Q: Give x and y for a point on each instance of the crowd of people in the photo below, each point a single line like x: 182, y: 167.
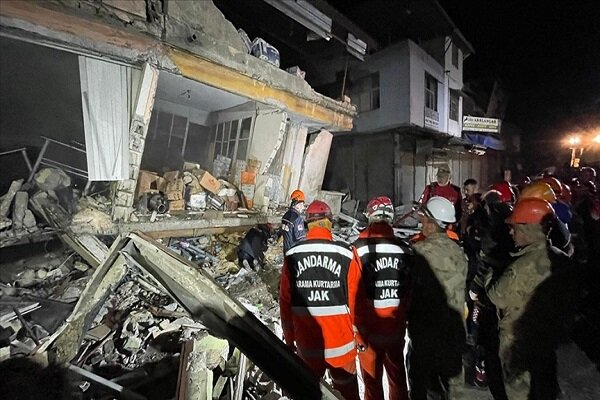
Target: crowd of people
x: 482, y: 296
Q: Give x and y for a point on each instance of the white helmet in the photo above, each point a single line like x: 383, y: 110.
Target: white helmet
x: 441, y: 210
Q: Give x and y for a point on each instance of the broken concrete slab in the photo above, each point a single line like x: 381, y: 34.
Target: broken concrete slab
x: 203, y: 298
x: 89, y: 247
x: 21, y: 200
x: 198, y: 358
x: 315, y: 162
x: 51, y: 179
x: 7, y: 199
x: 29, y: 220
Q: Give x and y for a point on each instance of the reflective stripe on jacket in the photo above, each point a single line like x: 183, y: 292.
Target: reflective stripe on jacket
x: 320, y: 283
x: 386, y: 262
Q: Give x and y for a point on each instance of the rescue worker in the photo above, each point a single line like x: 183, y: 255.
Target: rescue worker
x: 386, y: 262
x: 483, y: 367
x: 251, y: 251
x: 513, y: 289
x: 443, y: 188
x: 559, y: 234
x: 469, y: 204
x: 435, y: 324
x: 507, y: 194
x: 292, y: 223
x: 561, y: 208
x: 320, y: 288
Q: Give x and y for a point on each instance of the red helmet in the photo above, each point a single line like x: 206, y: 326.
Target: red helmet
x: 318, y: 210
x: 565, y: 194
x: 380, y: 207
x: 507, y: 194
x: 297, y: 196
x: 530, y: 210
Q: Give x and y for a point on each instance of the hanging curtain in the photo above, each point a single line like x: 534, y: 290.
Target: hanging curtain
x: 106, y: 95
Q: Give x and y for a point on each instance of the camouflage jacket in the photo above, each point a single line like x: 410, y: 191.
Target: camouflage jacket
x: 448, y: 262
x: 514, y: 288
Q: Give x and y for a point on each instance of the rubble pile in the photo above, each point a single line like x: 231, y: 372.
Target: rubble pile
x: 139, y: 326
x: 139, y: 333
x: 217, y: 255
x: 136, y: 335
x: 21, y: 221
x: 36, y: 295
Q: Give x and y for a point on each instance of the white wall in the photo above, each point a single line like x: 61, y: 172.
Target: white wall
x: 421, y: 62
x: 292, y: 159
x: 393, y: 67
x: 456, y: 73
x: 266, y: 129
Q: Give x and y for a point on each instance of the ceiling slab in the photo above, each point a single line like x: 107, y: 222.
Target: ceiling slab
x: 186, y: 92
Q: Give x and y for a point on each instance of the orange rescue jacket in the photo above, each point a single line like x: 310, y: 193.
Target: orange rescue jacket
x: 320, y: 287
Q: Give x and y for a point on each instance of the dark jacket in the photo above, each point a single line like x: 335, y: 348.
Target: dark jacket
x: 386, y: 262
x: 496, y: 244
x: 254, y: 244
x: 292, y: 228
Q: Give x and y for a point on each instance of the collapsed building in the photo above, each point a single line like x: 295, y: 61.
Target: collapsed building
x: 124, y: 87
x: 159, y: 117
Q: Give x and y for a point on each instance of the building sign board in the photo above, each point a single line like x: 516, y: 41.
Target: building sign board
x: 432, y: 119
x: 481, y: 124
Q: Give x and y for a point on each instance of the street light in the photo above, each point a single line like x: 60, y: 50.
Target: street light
x: 577, y: 144
x: 574, y: 140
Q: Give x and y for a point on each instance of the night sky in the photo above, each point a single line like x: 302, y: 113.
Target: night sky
x: 545, y: 53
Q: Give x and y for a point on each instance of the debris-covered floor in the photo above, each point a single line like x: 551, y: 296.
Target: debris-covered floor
x: 118, y: 324
x: 140, y: 335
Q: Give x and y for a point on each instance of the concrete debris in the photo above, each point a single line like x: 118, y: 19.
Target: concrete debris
x: 37, y: 292
x: 7, y: 199
x: 51, y: 179
x: 136, y: 325
x: 22, y: 221
x: 98, y: 220
x: 21, y: 200
x: 80, y: 266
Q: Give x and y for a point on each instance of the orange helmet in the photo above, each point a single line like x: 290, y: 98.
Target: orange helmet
x: 540, y: 190
x: 318, y: 210
x: 554, y: 184
x: 530, y: 210
x: 297, y: 196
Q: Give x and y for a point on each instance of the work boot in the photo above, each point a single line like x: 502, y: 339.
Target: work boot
x: 480, y: 375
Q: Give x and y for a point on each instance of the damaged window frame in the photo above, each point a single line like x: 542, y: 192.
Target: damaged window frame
x: 238, y: 142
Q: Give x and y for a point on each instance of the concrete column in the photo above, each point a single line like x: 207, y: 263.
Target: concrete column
x: 123, y: 192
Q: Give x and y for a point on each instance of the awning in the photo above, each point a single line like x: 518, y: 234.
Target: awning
x: 485, y: 139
